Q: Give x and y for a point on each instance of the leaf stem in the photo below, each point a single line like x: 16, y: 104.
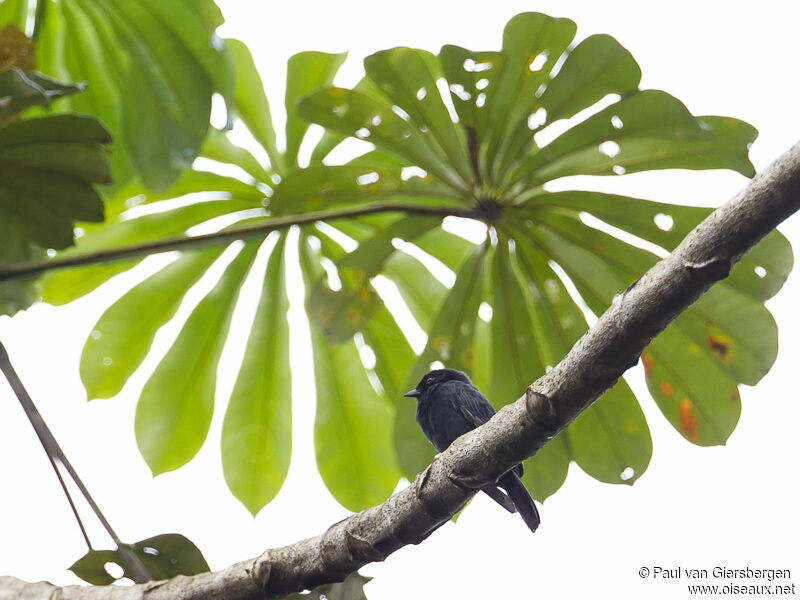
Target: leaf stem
x: 54, y: 452
x: 18, y: 270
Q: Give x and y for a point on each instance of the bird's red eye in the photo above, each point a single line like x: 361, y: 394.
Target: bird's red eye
x: 429, y: 380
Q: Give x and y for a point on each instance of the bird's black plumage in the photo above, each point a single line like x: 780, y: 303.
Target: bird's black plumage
x: 448, y: 406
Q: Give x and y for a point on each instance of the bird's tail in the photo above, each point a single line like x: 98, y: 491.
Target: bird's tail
x: 513, y: 485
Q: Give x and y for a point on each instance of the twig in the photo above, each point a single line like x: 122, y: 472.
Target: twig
x: 18, y: 270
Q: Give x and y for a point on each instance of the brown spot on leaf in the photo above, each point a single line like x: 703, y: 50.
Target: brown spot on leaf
x: 667, y: 388
x: 363, y: 293
x: 352, y: 316
x: 689, y: 420
x: 720, y: 344
x: 647, y: 361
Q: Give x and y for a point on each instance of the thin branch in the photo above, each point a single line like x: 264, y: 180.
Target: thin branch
x: 518, y: 430
x: 69, y: 499
x: 15, y: 271
x: 132, y: 562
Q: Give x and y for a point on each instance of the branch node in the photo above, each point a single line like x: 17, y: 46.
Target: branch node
x: 362, y: 549
x: 542, y: 411
x: 261, y: 569
x: 710, y: 270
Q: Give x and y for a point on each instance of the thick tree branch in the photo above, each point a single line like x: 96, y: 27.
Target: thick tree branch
x: 261, y: 229
x: 518, y: 431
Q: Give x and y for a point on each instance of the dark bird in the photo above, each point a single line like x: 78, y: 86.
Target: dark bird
x: 448, y: 406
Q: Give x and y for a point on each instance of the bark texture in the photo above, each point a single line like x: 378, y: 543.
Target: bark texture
x: 518, y: 430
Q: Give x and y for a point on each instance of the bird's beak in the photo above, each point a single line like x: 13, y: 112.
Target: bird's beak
x: 412, y: 394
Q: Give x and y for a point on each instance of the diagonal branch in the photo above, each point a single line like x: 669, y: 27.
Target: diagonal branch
x: 518, y: 431
x: 227, y: 235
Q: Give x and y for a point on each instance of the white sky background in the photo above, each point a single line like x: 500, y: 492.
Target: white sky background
x: 733, y: 506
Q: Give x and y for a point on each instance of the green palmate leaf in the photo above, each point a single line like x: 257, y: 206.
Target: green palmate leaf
x: 164, y: 556
x: 177, y: 402
x: 122, y: 337
x: 492, y: 154
x: 256, y: 434
x: 352, y: 431
x: 163, y: 54
x: 502, y: 101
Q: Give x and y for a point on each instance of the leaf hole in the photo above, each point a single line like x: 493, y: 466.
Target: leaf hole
x: 400, y: 112
x: 619, y: 170
x: 422, y: 93
x: 627, y: 474
x: 150, y: 550
x: 334, y: 283
x: 365, y: 352
x: 663, y: 222
x: 377, y: 120
x: 616, y: 122
x: 114, y: 570
x: 480, y: 101
x: 760, y: 271
x: 482, y: 84
x: 470, y: 66
x: 609, y: 148
x: 459, y: 92
x: 362, y: 133
x: 413, y: 171
x: 368, y: 178
x: 107, y: 361
x: 537, y: 119
x: 51, y: 252
x: 539, y: 61
x: 540, y: 90
x: 485, y: 312
x: 437, y: 364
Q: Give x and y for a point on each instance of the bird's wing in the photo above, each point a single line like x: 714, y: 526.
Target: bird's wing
x: 472, y: 404
x: 477, y: 410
